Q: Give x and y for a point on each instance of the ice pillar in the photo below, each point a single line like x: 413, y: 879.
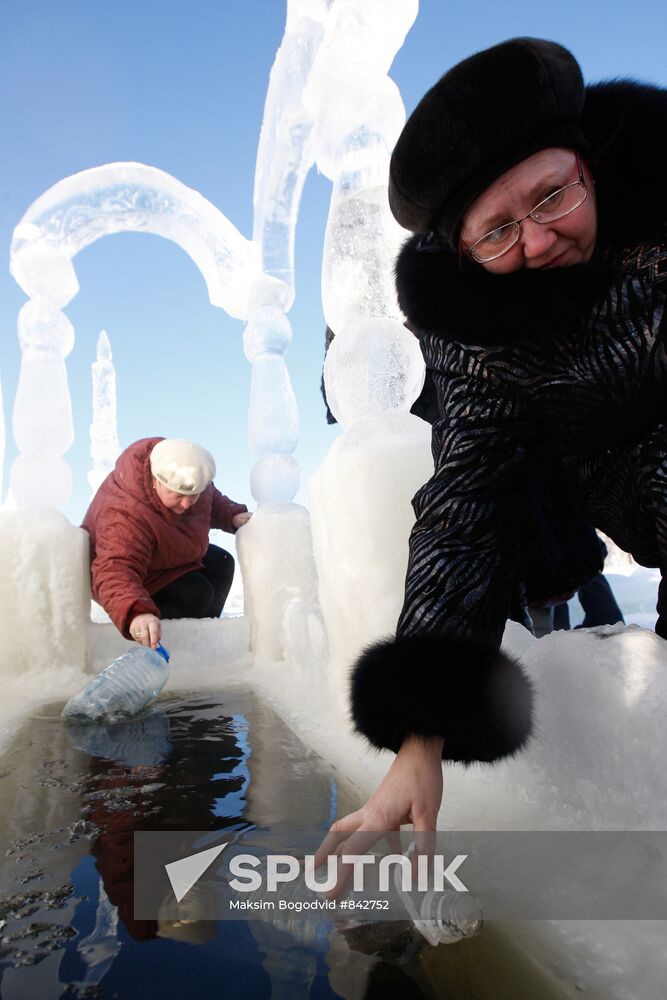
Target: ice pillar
x: 42, y: 421
x: 360, y: 497
x: 281, y: 591
x: 104, y: 444
x: 284, y: 158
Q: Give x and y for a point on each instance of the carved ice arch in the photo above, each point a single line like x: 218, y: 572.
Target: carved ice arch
x: 75, y: 212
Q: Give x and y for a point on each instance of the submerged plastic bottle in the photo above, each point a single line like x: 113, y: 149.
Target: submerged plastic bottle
x: 130, y: 683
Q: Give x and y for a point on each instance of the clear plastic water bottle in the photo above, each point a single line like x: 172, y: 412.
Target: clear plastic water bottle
x: 127, y: 685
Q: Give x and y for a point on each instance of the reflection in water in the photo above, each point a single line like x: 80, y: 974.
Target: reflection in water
x: 72, y: 797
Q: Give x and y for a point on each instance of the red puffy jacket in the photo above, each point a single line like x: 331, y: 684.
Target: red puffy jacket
x: 137, y: 545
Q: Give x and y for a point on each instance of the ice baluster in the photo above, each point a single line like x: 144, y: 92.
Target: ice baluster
x: 374, y: 363
x: 273, y: 415
x: 42, y: 418
x: 104, y: 444
x: 127, y: 685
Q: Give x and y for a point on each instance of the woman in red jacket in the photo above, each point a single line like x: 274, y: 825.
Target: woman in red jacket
x: 149, y: 523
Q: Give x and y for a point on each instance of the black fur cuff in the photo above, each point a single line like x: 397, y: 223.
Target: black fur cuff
x: 477, y: 698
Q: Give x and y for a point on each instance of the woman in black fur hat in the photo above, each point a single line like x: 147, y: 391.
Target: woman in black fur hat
x: 535, y: 282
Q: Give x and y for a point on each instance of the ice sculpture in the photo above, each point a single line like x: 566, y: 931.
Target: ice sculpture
x: 374, y: 369
x: 42, y: 418
x: 330, y: 100
x: 104, y: 444
x: 283, y: 160
x: 360, y: 115
x: 284, y: 154
x: 69, y: 216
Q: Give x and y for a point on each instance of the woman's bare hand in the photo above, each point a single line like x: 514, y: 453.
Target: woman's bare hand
x: 410, y: 792
x: 240, y: 519
x: 146, y: 630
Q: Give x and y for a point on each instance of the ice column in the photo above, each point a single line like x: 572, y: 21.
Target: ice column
x: 374, y: 369
x: 42, y: 420
x: 275, y: 548
x: 283, y: 160
x: 104, y: 444
x: 373, y: 364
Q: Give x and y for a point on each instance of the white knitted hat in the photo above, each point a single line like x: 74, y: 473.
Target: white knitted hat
x: 182, y: 466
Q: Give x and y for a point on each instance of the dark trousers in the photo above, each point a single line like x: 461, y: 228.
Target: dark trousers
x: 201, y: 593
x: 598, y: 602
x: 597, y: 599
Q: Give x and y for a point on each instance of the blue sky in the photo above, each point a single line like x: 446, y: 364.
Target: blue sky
x: 181, y: 86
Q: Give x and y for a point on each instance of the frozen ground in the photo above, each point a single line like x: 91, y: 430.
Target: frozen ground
x: 597, y: 762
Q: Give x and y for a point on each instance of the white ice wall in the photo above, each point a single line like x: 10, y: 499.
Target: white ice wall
x: 44, y: 592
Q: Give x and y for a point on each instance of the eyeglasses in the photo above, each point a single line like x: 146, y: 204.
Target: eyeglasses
x: 556, y: 206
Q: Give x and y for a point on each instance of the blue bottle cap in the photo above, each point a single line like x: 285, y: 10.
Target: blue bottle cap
x: 164, y: 653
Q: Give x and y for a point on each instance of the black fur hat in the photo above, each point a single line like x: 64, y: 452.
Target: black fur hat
x: 482, y: 117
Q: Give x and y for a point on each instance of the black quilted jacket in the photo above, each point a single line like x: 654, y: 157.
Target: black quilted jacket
x: 566, y: 366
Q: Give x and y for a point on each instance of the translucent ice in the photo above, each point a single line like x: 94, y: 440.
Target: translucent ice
x: 268, y: 331
x: 284, y: 157
x: 104, y: 444
x: 275, y: 478
x: 362, y: 240
x: 369, y: 32
x: 121, y: 197
x: 375, y: 365
x: 68, y: 217
x: 359, y: 116
x: 348, y: 89
x: 274, y: 419
x: 351, y: 99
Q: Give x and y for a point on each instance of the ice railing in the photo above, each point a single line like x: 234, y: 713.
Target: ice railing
x: 330, y: 102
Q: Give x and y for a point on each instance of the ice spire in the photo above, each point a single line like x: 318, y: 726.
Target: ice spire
x: 104, y: 444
